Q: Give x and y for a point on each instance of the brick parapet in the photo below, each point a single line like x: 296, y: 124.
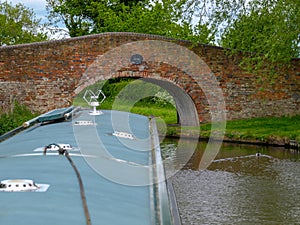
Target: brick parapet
x: 45, y: 75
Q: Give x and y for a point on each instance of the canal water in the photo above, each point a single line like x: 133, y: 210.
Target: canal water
x: 238, y: 187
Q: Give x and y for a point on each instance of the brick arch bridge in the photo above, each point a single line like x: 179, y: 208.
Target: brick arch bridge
x: 201, y: 78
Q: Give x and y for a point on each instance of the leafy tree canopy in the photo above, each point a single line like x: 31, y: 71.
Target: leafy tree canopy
x: 262, y: 27
x: 161, y: 17
x: 18, y: 25
x: 271, y: 29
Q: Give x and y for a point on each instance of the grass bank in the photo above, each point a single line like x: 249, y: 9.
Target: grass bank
x: 270, y: 130
x: 127, y: 94
x: 259, y: 130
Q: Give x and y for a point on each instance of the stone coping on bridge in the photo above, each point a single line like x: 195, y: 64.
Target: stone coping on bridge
x: 114, y: 34
x: 105, y: 34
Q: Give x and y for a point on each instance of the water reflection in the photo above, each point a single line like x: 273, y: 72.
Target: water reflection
x: 238, y: 187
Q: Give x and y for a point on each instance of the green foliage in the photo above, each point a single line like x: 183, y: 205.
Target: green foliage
x: 18, y: 25
x: 122, y: 94
x: 269, y: 30
x: 166, y: 18
x: 15, y: 118
x: 128, y: 90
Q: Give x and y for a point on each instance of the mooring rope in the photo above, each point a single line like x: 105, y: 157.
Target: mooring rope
x: 82, y: 193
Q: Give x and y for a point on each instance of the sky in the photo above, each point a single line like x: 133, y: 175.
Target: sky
x: 39, y: 8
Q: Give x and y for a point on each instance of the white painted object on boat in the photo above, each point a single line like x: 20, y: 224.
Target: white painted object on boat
x: 92, y: 99
x: 54, y: 147
x: 84, y: 123
x: 123, y: 135
x: 22, y: 185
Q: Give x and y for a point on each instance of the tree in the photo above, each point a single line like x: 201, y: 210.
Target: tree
x: 166, y: 17
x: 83, y: 17
x: 269, y: 29
x: 18, y: 25
x: 271, y: 32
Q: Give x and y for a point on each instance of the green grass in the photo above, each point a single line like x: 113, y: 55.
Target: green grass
x: 270, y: 129
x: 168, y: 113
x: 129, y: 90
x: 273, y: 130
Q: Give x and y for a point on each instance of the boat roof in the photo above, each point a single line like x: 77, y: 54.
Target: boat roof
x: 55, y: 114
x: 112, y: 198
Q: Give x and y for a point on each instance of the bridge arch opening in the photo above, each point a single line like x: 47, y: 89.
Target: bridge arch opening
x: 198, y: 83
x: 186, y: 110
x: 186, y: 113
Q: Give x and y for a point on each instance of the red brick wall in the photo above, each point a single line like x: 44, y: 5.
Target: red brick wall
x: 47, y: 75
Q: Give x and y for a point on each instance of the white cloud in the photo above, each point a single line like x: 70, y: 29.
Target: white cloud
x: 55, y: 33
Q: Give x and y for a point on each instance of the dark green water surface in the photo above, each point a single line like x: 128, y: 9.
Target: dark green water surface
x: 238, y: 187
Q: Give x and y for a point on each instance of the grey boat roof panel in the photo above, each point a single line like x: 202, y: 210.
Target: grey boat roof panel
x: 109, y: 202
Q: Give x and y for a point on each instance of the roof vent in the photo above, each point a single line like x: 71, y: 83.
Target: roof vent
x: 55, y: 147
x: 22, y: 185
x: 123, y: 135
x: 92, y: 99
x: 84, y: 123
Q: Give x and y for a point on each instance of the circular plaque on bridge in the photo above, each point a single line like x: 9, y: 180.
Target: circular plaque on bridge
x: 136, y: 59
